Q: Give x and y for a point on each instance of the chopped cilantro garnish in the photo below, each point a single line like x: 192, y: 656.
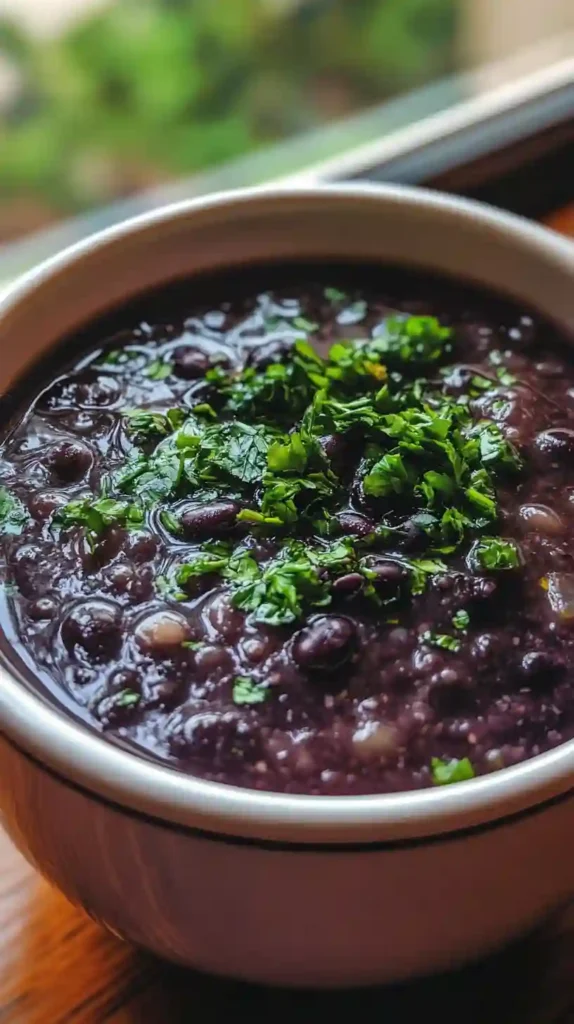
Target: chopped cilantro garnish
x: 127, y: 699
x: 141, y: 423
x: 461, y: 619
x: 443, y: 640
x: 412, y: 340
x: 494, y: 554
x: 445, y: 772
x: 420, y: 568
x: 98, y: 513
x: 303, y: 324
x: 112, y: 358
x: 505, y: 377
x: 262, y: 437
x: 13, y: 514
x: 246, y: 691
x: 158, y: 369
x: 334, y: 295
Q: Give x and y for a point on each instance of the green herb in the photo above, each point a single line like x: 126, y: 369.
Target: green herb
x: 127, y: 699
x: 505, y: 377
x: 494, y: 554
x: 333, y: 414
x: 495, y: 450
x: 420, y: 568
x: 285, y: 587
x: 446, y: 772
x: 353, y: 366
x: 479, y: 383
x: 389, y: 475
x: 143, y: 424
x: 236, y: 449
x: 170, y: 521
x: 98, y: 513
x: 112, y: 358
x: 334, y: 295
x: 213, y: 558
x: 246, y: 691
x: 461, y: 619
x: 413, y: 340
x: 193, y: 645
x: 158, y: 370
x: 280, y: 391
x: 418, y: 454
x: 303, y: 324
x: 13, y: 514
x: 442, y: 640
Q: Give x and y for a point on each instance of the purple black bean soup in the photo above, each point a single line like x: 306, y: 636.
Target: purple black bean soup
x: 301, y: 529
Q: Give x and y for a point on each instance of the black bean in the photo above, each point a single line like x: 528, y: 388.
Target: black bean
x: 412, y: 536
x: 124, y: 679
x: 163, y: 632
x: 32, y: 572
x: 95, y: 627
x: 218, y: 740
x: 271, y: 352
x: 542, y: 669
x: 44, y: 503
x: 43, y: 608
x: 69, y: 460
x: 210, y: 520
x: 141, y: 546
x: 98, y: 392
x: 326, y: 643
x: 386, y: 575
x: 340, y: 451
x: 190, y: 362
x: 354, y: 523
x: 556, y: 445
x: 349, y: 584
x: 488, y: 648
x: 165, y: 693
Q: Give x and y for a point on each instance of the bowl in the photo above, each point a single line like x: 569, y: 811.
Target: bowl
x: 287, y: 890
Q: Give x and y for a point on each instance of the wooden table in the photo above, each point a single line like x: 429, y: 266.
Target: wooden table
x: 57, y: 967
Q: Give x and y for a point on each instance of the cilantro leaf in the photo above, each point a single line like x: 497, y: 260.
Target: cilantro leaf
x: 246, y: 691
x: 446, y: 772
x: 158, y: 369
x: 494, y: 554
x: 334, y: 295
x: 13, y: 514
x: 390, y: 475
x: 127, y: 699
x: 303, y: 324
x: 461, y: 619
x: 412, y: 340
x: 97, y: 514
x: 420, y: 568
x: 442, y: 640
x: 143, y: 424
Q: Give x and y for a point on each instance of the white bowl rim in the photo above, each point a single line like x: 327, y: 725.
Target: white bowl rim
x: 142, y: 786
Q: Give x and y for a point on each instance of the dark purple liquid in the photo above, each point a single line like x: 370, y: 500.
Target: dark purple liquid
x: 95, y: 625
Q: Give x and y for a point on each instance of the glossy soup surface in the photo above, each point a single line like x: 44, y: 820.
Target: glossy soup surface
x: 307, y: 530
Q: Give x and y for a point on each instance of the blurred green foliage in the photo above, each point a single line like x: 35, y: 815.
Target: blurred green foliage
x: 146, y: 90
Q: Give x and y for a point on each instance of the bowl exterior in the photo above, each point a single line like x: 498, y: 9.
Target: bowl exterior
x: 329, y: 917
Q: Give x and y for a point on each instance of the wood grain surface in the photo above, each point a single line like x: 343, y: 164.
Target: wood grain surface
x: 57, y: 967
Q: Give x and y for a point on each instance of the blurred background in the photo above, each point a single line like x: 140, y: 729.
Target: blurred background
x: 102, y: 101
